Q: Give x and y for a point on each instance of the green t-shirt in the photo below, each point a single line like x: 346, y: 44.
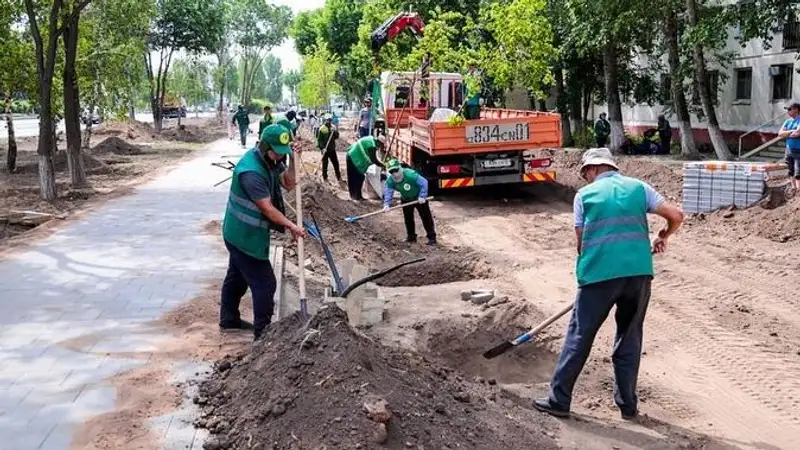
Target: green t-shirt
x: 408, y: 188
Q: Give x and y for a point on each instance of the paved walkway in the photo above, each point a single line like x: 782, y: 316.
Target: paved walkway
x: 125, y: 264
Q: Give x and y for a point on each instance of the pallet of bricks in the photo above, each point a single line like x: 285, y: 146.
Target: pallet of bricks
x: 712, y: 185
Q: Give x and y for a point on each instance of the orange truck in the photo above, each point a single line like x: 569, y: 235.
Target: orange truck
x: 503, y: 146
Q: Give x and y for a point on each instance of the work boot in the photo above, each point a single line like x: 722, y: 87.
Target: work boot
x: 431, y: 241
x: 240, y: 325
x: 627, y: 415
x: 411, y: 239
x: 543, y: 405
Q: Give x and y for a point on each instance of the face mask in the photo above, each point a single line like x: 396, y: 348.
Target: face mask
x: 397, y: 176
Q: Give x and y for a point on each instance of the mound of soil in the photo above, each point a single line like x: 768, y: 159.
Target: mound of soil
x: 781, y: 224
x: 117, y: 146
x: 195, y: 134
x: 133, y: 130
x: 324, y: 386
x: 439, y: 269
x: 665, y: 179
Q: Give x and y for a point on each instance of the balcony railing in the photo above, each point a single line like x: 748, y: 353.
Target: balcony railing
x: 791, y: 36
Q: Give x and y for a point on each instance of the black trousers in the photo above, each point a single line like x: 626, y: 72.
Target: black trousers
x: 601, y: 141
x: 245, y: 271
x: 355, y: 180
x: 333, y: 158
x: 424, y: 211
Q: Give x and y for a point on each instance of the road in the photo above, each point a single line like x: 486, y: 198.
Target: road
x: 30, y: 126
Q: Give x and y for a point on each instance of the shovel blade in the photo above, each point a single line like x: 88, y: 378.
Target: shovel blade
x: 498, y: 350
x: 350, y: 219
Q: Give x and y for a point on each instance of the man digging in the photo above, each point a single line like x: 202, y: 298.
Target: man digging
x: 412, y: 187
x: 615, y: 267
x: 255, y: 206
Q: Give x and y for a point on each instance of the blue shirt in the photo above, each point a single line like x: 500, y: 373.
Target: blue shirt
x: 653, y: 199
x: 793, y: 144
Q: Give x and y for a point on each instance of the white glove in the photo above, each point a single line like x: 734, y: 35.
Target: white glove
x: 422, y: 200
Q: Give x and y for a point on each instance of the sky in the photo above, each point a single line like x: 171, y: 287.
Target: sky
x: 286, y: 52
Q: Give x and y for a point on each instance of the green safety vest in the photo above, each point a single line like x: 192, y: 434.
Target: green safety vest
x: 244, y: 225
x: 616, y: 241
x: 408, y: 188
x: 242, y: 118
x: 358, y: 153
x: 264, y: 123
x: 327, y: 137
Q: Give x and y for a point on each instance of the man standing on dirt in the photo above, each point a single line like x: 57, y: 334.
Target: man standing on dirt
x: 361, y: 155
x: 615, y: 267
x: 791, y: 132
x: 242, y: 118
x: 255, y: 206
x: 602, y: 130
x: 412, y: 187
x: 364, y: 119
x: 327, y: 135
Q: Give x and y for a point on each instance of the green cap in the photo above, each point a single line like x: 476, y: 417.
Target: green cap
x: 393, y: 164
x: 278, y: 138
x: 288, y: 125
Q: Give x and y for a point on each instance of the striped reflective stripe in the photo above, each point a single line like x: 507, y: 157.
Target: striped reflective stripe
x: 537, y: 176
x: 244, y: 202
x: 612, y: 221
x: 457, y: 183
x: 616, y: 237
x: 252, y: 221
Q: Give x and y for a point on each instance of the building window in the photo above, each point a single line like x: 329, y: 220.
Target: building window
x: 791, y: 34
x: 744, y: 83
x: 781, y: 75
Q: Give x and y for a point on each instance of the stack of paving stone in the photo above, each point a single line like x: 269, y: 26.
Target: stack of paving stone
x: 712, y: 185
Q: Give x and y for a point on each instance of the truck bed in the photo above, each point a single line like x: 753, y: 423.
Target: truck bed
x: 497, y: 130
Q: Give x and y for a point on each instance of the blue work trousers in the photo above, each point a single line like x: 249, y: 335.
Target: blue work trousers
x: 631, y: 296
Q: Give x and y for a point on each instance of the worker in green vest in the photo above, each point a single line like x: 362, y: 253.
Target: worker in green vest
x: 327, y: 135
x: 361, y: 155
x: 412, y: 187
x: 266, y: 120
x: 614, y: 268
x: 242, y: 118
x: 255, y: 206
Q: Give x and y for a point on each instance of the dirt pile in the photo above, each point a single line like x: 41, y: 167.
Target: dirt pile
x: 440, y: 269
x: 665, y: 179
x: 117, y: 146
x: 324, y: 386
x: 133, y: 130
x: 209, y: 131
x: 781, y: 224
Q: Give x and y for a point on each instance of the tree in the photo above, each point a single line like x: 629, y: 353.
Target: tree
x: 274, y: 79
x: 225, y: 76
x: 45, y: 39
x: 305, y: 31
x: 697, y: 35
x: 195, y: 26
x: 671, y: 34
x: 259, y: 28
x: 16, y: 72
x: 319, y: 77
x: 291, y: 79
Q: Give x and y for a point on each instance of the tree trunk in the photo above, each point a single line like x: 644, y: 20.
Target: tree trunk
x: 561, y: 105
x: 703, y: 89
x: 72, y: 114
x: 688, y: 147
x: 612, y: 95
x: 11, y: 156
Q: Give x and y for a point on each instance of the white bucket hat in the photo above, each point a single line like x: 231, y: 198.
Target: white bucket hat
x: 597, y: 157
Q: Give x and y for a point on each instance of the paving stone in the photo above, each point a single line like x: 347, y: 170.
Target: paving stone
x: 104, y: 276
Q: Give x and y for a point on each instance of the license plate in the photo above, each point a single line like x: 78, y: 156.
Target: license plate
x: 498, y: 133
x: 496, y: 163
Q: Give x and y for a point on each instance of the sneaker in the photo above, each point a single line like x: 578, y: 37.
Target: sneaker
x: 543, y: 405
x: 240, y: 325
x: 432, y: 242
x: 630, y: 416
x: 411, y: 239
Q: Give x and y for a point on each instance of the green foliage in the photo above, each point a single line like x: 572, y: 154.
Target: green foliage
x: 291, y: 79
x: 525, y: 48
x: 196, y: 26
x: 189, y: 80
x: 319, y: 77
x: 17, y: 70
x: 584, y: 138
x: 273, y: 79
x: 256, y: 106
x: 304, y: 31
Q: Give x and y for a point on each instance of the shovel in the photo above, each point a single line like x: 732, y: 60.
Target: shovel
x: 525, y: 337
x: 381, y: 211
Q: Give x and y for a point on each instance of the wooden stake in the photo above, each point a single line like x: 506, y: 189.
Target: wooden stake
x: 300, y: 247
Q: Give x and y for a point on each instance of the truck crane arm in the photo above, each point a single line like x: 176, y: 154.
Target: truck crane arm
x: 396, y: 25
